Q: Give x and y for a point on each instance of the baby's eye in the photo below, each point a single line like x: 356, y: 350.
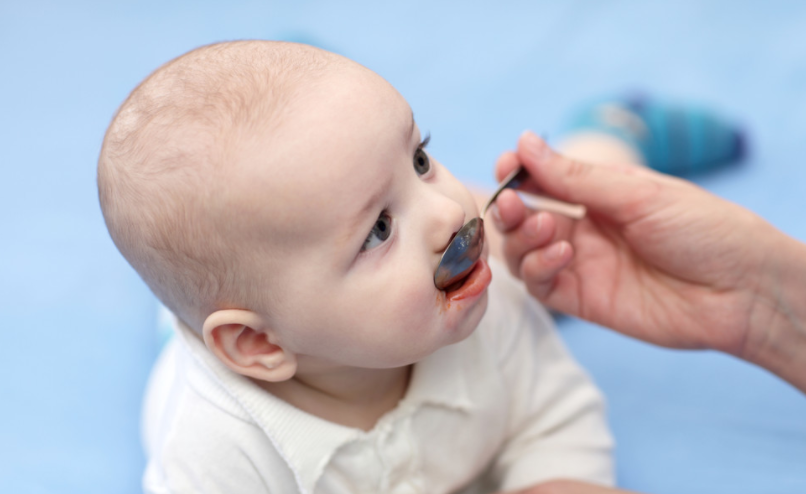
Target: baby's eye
x: 422, y: 164
x: 380, y: 232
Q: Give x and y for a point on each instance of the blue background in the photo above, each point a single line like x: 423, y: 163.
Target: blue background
x: 78, y: 324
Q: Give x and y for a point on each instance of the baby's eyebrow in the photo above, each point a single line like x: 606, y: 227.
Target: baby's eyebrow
x: 411, y: 129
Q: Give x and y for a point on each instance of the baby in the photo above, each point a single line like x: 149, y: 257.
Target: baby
x: 278, y: 199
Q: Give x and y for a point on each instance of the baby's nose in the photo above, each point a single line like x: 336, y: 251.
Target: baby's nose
x: 449, y: 221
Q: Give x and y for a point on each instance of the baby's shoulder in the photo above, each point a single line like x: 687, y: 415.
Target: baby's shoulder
x: 182, y: 399
x: 221, y: 455
x: 202, y: 433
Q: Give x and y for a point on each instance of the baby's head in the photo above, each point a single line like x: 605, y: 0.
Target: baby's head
x: 277, y: 198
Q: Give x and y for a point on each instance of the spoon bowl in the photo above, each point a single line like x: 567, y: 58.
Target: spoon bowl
x: 460, y: 256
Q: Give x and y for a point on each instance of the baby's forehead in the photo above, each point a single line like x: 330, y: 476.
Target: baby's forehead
x: 309, y: 197
x: 329, y: 134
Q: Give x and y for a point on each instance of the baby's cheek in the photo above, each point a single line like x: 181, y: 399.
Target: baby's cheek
x: 413, y: 306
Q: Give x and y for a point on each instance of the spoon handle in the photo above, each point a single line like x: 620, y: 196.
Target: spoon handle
x: 511, y: 181
x: 543, y: 203
x: 534, y: 201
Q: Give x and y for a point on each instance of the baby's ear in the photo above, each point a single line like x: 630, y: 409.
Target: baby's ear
x: 241, y: 340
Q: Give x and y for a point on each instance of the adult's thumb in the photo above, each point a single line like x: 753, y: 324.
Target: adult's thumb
x: 621, y: 194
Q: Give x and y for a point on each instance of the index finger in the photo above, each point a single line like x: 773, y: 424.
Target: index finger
x: 507, y: 163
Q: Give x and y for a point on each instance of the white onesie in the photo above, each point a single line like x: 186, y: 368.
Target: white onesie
x: 504, y: 409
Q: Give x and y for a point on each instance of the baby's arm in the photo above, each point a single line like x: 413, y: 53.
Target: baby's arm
x: 557, y: 426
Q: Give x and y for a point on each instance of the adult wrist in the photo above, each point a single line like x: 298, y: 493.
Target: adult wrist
x: 777, y: 331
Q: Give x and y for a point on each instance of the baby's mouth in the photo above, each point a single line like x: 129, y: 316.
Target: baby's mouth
x: 471, y: 285
x: 459, y: 284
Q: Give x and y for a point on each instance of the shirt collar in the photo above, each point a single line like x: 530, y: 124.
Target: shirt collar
x: 307, y: 442
x: 440, y: 379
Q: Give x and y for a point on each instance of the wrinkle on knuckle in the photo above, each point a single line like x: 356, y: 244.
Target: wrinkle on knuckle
x: 575, y: 171
x: 639, y: 203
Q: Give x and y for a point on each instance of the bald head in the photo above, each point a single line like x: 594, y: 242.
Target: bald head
x: 168, y: 152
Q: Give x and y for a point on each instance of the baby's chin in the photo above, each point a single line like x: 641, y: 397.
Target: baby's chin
x: 471, y: 320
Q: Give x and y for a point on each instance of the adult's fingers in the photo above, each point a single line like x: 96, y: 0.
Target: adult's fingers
x: 536, y: 231
x: 505, y: 164
x: 508, y: 211
x: 539, y: 268
x: 622, y: 194
x: 525, y: 230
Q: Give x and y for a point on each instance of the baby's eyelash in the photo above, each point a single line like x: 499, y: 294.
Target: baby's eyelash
x: 425, y: 141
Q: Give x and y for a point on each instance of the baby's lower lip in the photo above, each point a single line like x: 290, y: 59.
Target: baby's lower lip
x: 476, y: 282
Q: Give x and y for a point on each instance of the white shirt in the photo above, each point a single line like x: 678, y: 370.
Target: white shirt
x: 504, y: 409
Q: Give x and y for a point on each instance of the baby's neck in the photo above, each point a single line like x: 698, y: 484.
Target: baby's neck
x: 351, y: 397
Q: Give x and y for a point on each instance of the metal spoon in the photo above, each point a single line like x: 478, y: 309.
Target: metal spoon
x: 462, y: 253
x: 465, y: 249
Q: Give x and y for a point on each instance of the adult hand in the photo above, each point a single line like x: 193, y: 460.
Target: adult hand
x: 657, y: 258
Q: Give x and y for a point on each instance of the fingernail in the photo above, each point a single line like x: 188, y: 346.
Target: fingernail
x: 555, y: 252
x: 531, y: 142
x: 495, y: 214
x: 535, y: 230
